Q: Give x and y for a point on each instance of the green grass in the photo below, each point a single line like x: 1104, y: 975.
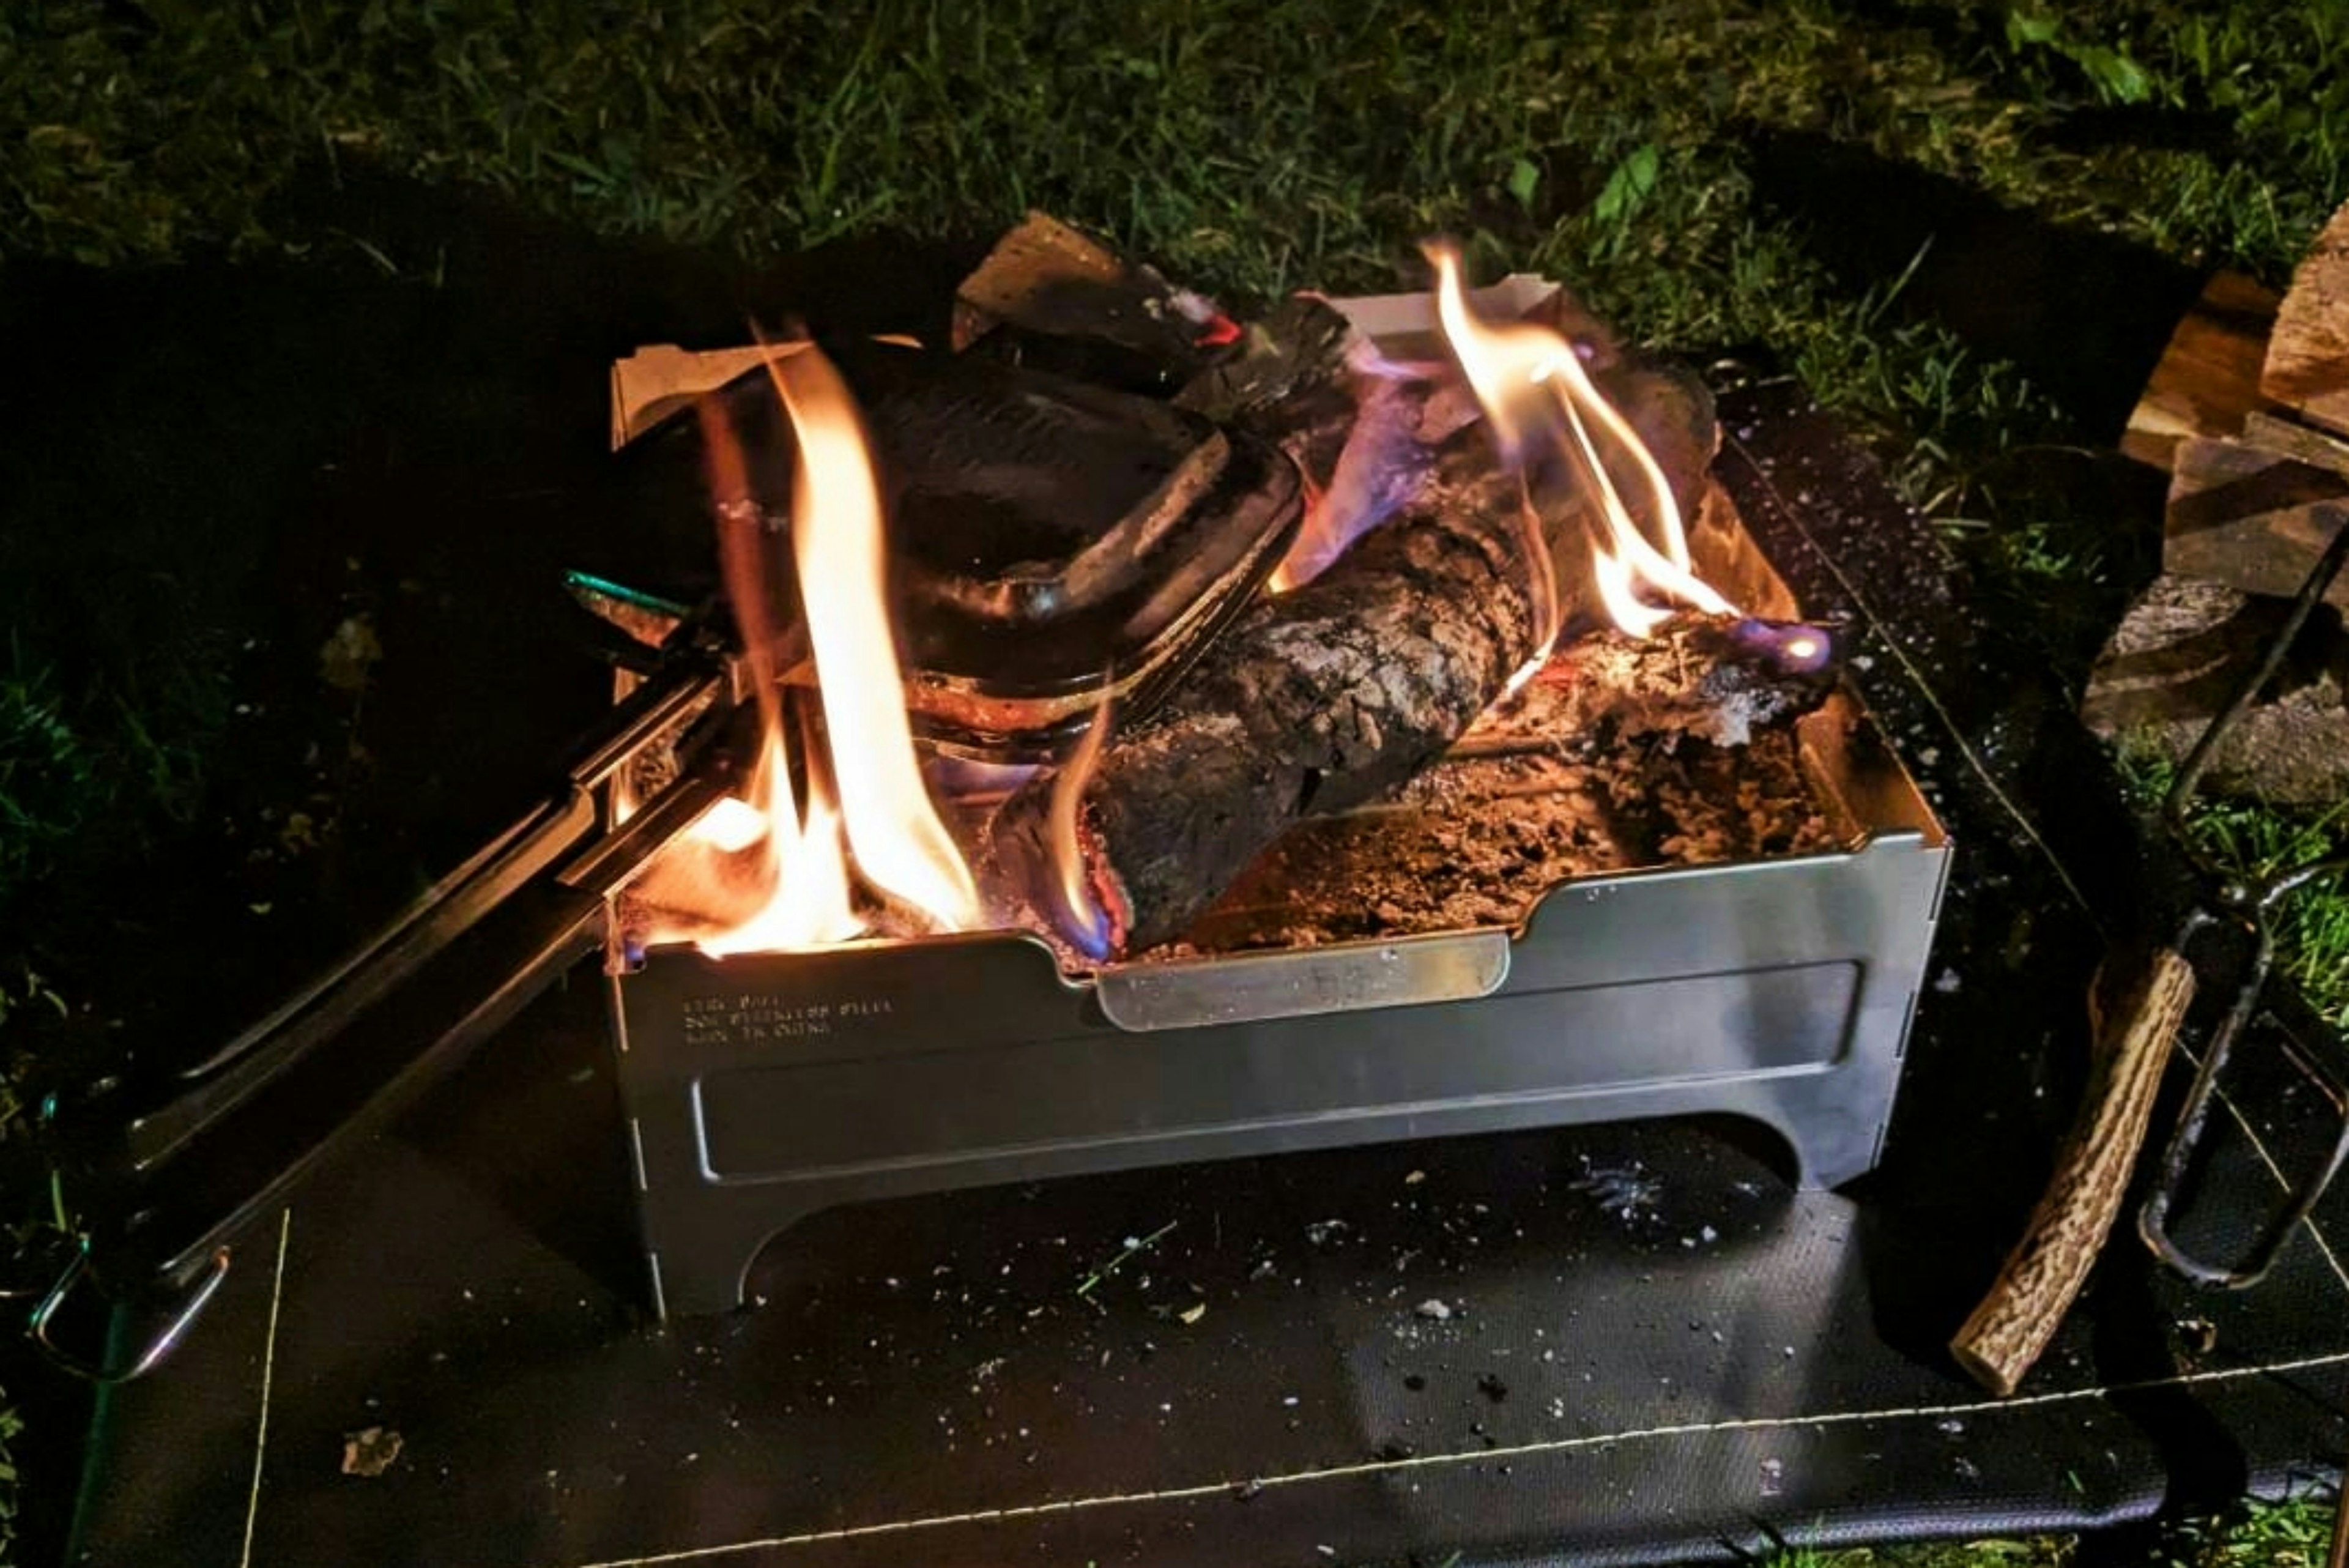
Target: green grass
x: 1250, y: 148
x: 2253, y: 841
x: 2255, y: 1535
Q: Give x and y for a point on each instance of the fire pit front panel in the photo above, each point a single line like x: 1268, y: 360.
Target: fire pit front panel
x: 763, y: 1089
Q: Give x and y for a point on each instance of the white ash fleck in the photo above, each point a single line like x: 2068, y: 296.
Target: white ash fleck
x: 1435, y: 1309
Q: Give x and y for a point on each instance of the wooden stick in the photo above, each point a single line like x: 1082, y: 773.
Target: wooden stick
x: 2006, y: 1333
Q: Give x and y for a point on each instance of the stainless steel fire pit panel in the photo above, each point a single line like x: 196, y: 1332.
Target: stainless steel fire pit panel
x: 925, y: 1108
x: 763, y: 1089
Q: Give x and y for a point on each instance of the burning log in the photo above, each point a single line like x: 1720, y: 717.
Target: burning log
x: 1316, y: 700
x: 1327, y: 699
x: 1508, y: 532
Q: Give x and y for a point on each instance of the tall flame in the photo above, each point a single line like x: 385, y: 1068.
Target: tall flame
x: 901, y: 847
x: 1531, y: 383
x: 768, y: 875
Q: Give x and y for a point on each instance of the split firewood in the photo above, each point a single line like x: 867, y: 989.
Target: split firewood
x: 2251, y: 516
x: 2307, y: 367
x: 1717, y: 678
x: 2207, y: 382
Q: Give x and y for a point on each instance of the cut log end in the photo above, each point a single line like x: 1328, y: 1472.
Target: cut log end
x: 2307, y: 367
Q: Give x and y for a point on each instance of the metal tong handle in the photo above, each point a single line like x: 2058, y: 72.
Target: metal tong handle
x: 190, y: 1175
x: 2251, y: 904
x: 1998, y: 1344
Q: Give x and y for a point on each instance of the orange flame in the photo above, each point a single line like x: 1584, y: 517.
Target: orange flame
x: 1532, y: 386
x: 800, y: 861
x: 901, y: 847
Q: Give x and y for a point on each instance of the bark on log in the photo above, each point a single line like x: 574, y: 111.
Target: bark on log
x: 1316, y: 700
x: 2178, y: 654
x: 2308, y: 355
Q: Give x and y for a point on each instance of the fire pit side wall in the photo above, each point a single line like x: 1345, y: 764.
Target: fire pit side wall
x: 760, y: 1090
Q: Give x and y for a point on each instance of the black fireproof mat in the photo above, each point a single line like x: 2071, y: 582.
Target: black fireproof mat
x: 1627, y: 1343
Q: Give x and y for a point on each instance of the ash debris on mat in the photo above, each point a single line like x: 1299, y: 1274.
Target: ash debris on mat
x: 370, y: 1452
x: 1627, y: 1193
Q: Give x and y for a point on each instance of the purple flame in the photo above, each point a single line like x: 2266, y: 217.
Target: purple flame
x: 1792, y: 645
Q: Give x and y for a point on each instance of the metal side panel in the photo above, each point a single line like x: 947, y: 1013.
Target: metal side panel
x: 763, y: 1089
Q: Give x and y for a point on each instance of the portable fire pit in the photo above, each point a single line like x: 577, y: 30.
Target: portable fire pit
x: 1377, y: 724
x: 1537, y: 931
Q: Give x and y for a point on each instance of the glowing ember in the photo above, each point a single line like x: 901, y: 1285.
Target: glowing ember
x: 1536, y: 394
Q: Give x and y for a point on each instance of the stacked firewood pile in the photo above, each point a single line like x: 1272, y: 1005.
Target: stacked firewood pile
x: 2248, y: 411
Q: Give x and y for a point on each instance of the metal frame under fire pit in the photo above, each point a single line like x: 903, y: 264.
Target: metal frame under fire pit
x: 763, y: 1089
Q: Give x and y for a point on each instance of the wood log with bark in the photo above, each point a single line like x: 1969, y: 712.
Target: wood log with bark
x: 1324, y: 699
x: 1316, y: 701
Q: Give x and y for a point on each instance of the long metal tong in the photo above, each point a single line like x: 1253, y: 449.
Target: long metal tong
x: 171, y: 1189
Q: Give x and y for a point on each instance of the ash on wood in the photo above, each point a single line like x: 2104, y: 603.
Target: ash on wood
x: 1531, y: 796
x: 1677, y: 748
x: 1708, y: 678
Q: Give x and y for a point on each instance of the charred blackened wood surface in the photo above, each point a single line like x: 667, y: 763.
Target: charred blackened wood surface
x: 1675, y: 749
x: 1289, y: 381
x: 1316, y: 701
